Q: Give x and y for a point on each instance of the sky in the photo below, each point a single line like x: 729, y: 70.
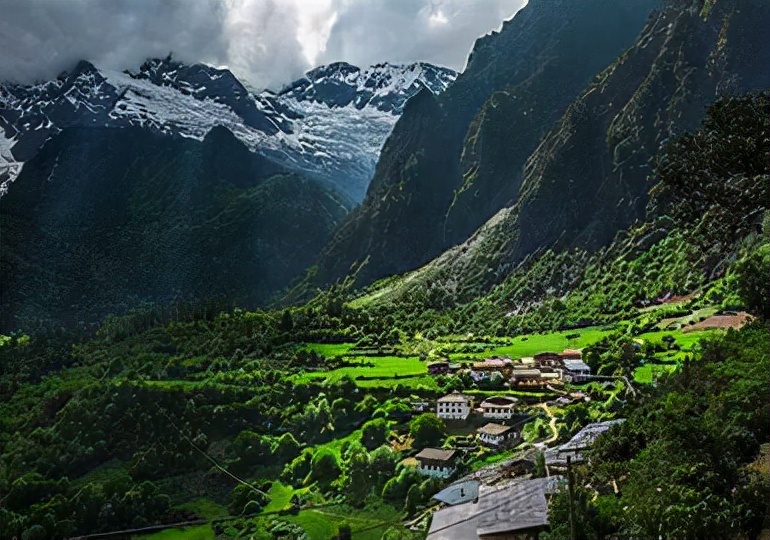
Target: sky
x: 267, y: 43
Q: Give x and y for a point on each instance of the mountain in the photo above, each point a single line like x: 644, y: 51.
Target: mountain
x: 103, y: 220
x: 176, y: 183
x: 330, y: 124
x: 455, y: 159
x: 583, y: 209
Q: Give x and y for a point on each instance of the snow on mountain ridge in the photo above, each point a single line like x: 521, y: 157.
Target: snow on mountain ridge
x: 331, y: 124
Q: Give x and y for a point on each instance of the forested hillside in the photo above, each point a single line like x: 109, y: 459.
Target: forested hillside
x: 107, y: 220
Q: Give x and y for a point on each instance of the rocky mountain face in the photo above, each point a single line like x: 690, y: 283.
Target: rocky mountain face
x: 103, y: 220
x: 330, y: 124
x: 455, y: 159
x: 589, y: 178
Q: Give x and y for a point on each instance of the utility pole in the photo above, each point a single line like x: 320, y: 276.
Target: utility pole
x: 571, y: 494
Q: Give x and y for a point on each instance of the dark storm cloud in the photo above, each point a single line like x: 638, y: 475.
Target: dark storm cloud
x: 41, y: 38
x: 267, y: 42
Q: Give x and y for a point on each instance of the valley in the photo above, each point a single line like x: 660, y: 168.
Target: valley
x: 528, y: 300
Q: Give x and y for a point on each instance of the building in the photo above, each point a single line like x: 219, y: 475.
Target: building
x: 499, y: 407
x: 420, y: 406
x: 571, y: 354
x: 548, y: 359
x: 526, y: 376
x: 497, y: 435
x: 518, y: 511
x: 577, y: 445
x: 454, y: 406
x: 460, y: 492
x: 437, y: 462
x: 575, y: 371
x: 438, y: 368
x: 493, y: 364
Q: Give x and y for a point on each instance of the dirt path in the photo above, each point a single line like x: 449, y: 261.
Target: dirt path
x: 551, y: 423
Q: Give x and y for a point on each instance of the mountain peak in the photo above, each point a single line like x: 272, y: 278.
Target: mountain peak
x: 385, y: 87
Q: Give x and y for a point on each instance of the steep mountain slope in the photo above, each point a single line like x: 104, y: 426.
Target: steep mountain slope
x: 590, y: 178
x: 103, y: 220
x: 455, y: 159
x: 330, y: 124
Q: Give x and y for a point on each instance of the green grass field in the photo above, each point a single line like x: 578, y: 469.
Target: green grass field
x: 380, y: 372
x: 646, y: 374
x: 329, y: 350
x: 370, y: 524
x: 532, y: 344
x: 688, y: 342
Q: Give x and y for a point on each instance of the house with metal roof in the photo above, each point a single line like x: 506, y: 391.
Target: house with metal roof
x: 437, y: 462
x: 497, y: 434
x: 577, y: 445
x: 575, y: 370
x: 459, y: 492
x: 516, y: 511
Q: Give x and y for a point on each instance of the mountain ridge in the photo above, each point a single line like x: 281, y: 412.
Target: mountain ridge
x: 433, y: 177
x: 291, y: 127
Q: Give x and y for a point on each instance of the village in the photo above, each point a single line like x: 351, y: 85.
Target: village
x: 507, y: 500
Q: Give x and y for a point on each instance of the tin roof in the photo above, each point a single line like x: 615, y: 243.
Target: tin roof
x: 499, y: 402
x: 459, y: 493
x: 454, y: 397
x: 494, y: 429
x: 436, y: 454
x: 518, y: 506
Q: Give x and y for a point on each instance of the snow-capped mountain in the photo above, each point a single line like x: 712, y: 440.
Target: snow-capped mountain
x: 330, y: 124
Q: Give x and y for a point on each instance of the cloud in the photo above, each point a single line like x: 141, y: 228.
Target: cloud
x: 437, y: 31
x: 266, y: 42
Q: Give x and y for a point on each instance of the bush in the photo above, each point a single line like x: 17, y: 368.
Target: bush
x: 324, y: 468
x: 375, y: 433
x: 427, y: 430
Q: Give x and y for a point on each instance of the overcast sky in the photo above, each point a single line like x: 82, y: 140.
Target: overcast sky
x: 266, y: 42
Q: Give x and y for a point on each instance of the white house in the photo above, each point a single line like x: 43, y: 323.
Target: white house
x: 436, y: 462
x: 497, y: 435
x: 454, y: 406
x: 499, y: 407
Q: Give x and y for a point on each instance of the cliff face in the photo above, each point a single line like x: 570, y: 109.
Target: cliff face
x: 455, y: 159
x: 590, y: 176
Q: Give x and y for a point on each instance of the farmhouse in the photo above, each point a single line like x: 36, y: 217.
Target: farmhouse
x: 493, y: 364
x: 575, y: 371
x: 548, y: 359
x: 437, y: 368
x: 454, y: 406
x: 498, y: 407
x: 577, y: 445
x: 436, y: 462
x: 497, y: 434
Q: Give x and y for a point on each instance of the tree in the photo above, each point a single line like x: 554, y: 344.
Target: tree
x: 753, y: 281
x: 287, y: 322
x: 375, y: 433
x: 427, y: 430
x: 324, y: 468
x: 286, y: 448
x: 382, y: 466
x: 246, y: 499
